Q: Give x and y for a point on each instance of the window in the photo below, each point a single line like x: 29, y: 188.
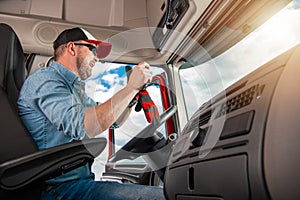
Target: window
x: 274, y: 37
x: 106, y: 80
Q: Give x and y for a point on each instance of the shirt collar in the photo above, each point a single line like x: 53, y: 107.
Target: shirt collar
x: 70, y: 76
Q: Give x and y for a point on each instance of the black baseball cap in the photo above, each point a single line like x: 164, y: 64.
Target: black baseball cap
x: 76, y: 34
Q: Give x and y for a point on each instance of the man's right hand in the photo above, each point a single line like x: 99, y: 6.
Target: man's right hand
x: 140, y: 75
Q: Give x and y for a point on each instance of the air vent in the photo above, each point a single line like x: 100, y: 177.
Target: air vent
x: 241, y: 100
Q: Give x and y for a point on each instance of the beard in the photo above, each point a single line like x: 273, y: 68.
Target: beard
x: 84, y: 66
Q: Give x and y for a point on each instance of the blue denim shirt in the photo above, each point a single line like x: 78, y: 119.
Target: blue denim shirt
x: 51, y: 106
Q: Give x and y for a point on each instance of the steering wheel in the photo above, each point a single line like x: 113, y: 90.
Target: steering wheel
x: 147, y: 140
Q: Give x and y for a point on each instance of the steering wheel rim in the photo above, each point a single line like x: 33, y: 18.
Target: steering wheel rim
x: 145, y: 140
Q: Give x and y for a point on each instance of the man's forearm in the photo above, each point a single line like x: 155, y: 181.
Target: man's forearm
x: 101, y: 117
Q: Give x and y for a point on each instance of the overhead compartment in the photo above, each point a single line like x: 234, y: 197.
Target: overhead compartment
x: 44, y: 8
x: 100, y: 13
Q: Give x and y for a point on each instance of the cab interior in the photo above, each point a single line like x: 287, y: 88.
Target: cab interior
x: 240, y: 141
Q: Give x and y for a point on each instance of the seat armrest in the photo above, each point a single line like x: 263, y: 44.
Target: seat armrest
x: 48, y: 163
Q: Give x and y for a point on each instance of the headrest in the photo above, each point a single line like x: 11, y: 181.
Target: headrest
x: 12, y: 64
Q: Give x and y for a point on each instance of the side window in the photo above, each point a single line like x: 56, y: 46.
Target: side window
x: 35, y: 61
x: 106, y: 80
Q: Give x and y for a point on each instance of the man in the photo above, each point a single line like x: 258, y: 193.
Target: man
x: 55, y: 110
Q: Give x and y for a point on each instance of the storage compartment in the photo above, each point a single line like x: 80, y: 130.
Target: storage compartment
x: 112, y: 12
x: 225, y: 178
x: 53, y: 8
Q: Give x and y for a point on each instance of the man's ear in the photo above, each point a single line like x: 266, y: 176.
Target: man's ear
x: 70, y: 48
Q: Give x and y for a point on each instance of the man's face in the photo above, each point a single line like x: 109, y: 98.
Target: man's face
x: 85, y: 62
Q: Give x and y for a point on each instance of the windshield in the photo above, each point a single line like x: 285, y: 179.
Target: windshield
x: 277, y: 35
x: 106, y: 80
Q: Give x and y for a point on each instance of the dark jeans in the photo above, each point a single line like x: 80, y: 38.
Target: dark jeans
x: 90, y: 189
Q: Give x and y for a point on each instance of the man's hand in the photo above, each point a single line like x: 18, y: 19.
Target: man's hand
x: 140, y: 75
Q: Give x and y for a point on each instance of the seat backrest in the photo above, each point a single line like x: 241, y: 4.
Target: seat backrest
x: 15, y: 139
